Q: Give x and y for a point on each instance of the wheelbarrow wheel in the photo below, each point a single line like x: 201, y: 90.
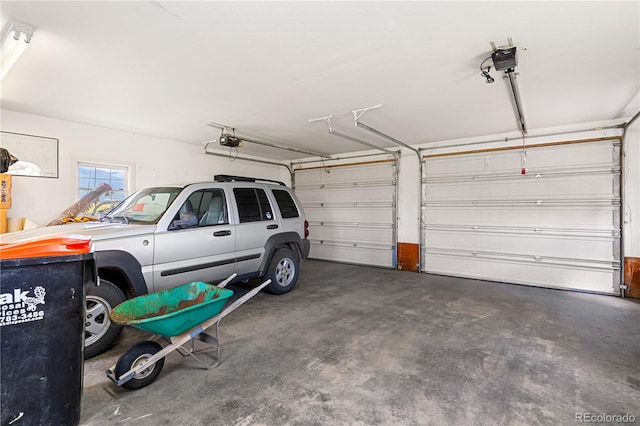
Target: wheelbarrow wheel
x: 136, y: 355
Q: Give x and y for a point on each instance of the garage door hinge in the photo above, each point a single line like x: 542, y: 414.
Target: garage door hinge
x: 624, y: 287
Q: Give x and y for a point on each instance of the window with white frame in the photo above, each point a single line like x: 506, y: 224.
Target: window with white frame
x: 91, y: 175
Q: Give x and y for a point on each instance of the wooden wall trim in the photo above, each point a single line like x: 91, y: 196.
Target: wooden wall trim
x: 519, y: 147
x: 362, y: 163
x: 632, y: 276
x: 408, y: 257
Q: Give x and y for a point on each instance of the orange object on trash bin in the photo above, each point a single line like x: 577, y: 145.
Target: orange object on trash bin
x: 65, y: 245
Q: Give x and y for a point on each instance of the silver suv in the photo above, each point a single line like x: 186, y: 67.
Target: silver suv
x: 165, y: 236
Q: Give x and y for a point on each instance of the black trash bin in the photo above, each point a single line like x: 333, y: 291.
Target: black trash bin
x: 42, y: 329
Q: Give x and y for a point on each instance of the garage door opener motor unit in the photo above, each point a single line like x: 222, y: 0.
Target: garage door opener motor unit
x: 230, y: 141
x: 504, y: 59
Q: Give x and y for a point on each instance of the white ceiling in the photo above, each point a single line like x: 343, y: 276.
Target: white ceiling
x: 167, y: 68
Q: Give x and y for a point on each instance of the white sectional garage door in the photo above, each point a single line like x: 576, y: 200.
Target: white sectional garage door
x: 558, y: 225
x: 351, y: 211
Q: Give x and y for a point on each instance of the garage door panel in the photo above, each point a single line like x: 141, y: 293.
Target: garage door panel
x: 536, y: 246
x: 546, y: 275
x: 550, y: 159
x: 572, y: 155
x: 351, y: 211
x: 362, y: 233
x: 513, y: 188
x: 596, y: 217
x: 348, y: 214
x: 352, y: 194
x: 555, y: 158
x: 362, y: 174
x: 439, y: 168
x: 484, y: 219
x: 362, y: 254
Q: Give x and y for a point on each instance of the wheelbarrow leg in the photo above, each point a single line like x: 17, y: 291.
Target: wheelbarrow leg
x: 213, y: 349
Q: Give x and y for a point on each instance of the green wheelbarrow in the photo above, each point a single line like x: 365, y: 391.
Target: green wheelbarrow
x: 178, y: 315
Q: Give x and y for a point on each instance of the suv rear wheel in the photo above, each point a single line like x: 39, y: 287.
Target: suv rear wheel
x: 283, y: 272
x: 100, y: 332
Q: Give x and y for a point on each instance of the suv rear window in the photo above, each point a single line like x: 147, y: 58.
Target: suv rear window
x: 286, y: 204
x: 253, y: 204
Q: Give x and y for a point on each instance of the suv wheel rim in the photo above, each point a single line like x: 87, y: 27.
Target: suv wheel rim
x: 285, y: 272
x: 96, y: 319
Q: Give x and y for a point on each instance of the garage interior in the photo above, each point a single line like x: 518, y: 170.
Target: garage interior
x: 470, y: 172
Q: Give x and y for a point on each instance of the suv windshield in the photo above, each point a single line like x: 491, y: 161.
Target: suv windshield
x: 145, y: 206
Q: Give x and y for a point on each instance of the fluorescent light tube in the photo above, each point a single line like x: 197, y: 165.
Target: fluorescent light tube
x: 14, y: 43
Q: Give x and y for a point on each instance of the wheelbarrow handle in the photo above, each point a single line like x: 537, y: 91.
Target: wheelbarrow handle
x: 224, y: 283
x: 195, y: 331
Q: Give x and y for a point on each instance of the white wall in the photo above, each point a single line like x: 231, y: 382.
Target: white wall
x: 631, y: 170
x: 409, y: 187
x: 156, y: 161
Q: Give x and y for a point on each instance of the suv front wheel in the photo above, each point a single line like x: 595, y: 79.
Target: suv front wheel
x: 283, y: 272
x: 100, y: 332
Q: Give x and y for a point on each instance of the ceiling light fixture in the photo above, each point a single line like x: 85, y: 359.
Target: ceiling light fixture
x: 14, y: 42
x: 486, y: 74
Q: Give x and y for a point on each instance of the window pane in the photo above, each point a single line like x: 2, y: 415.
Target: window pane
x: 84, y: 171
x: 91, y: 176
x: 248, y: 206
x: 212, y: 209
x: 117, y: 184
x: 103, y: 174
x: 265, y: 207
x: 85, y: 183
x: 286, y: 204
x: 197, y: 204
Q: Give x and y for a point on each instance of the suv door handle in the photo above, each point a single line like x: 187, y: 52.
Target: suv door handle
x: 221, y: 233
x: 272, y: 227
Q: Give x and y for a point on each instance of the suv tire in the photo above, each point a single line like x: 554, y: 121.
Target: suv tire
x: 100, y: 332
x: 283, y: 272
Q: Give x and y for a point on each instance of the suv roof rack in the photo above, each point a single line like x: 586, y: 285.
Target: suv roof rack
x: 231, y: 178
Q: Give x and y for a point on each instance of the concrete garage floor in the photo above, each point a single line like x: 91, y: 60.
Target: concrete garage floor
x: 356, y: 345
